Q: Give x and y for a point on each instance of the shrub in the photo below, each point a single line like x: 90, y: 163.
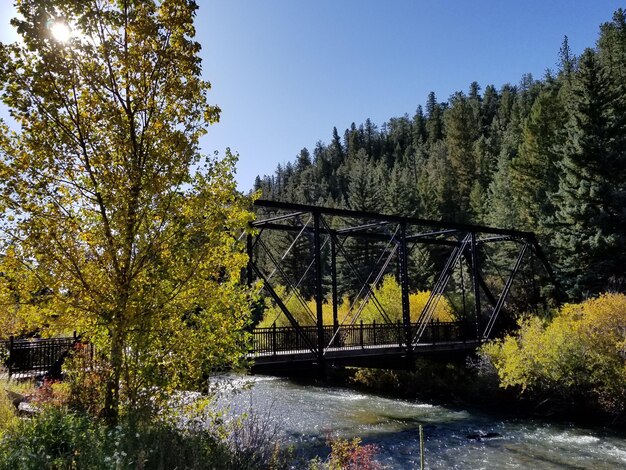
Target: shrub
x: 348, y: 455
x: 53, y: 439
x: 84, y: 376
x: 51, y: 393
x: 8, y: 415
x: 578, y: 355
x: 58, y: 438
x: 388, y: 295
x: 252, y: 441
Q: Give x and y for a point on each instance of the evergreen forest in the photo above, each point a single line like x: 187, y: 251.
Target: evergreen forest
x: 545, y: 155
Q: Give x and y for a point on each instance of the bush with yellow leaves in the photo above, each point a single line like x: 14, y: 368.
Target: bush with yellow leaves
x: 388, y: 297
x: 578, y: 355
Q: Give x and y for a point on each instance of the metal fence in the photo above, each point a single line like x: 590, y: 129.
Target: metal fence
x: 35, y: 355
x: 274, y: 340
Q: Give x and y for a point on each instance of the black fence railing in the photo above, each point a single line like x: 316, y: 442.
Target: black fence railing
x: 446, y: 332
x: 35, y: 355
x: 275, y: 339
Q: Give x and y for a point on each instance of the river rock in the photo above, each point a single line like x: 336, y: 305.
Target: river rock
x: 16, y: 398
x: 27, y: 409
x: 479, y: 436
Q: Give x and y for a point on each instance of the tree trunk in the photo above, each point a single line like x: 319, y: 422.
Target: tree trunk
x: 112, y: 395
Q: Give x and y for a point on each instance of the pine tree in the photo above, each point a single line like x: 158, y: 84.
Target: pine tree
x: 353, y: 141
x: 371, y: 137
x: 590, y: 219
x: 400, y: 197
x: 434, y: 119
x: 365, y: 189
x: 336, y: 150
x: 399, y: 139
x: 436, y: 190
x: 304, y: 160
x: 461, y: 132
x: 535, y: 171
x: 418, y: 128
x: 567, y: 60
x: 501, y: 200
x: 489, y: 109
x: 612, y: 48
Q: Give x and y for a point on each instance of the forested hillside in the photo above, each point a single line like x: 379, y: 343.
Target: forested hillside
x: 547, y: 155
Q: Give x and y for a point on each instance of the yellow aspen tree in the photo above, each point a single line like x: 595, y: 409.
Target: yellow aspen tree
x: 130, y: 235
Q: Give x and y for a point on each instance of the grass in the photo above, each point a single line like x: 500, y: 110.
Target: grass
x: 58, y: 437
x: 8, y: 416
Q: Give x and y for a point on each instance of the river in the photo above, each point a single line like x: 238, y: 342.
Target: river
x: 305, y: 415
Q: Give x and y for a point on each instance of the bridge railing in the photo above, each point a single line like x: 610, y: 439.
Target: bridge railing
x: 282, y: 338
x: 34, y: 355
x: 442, y: 332
x: 362, y: 335
x: 275, y: 340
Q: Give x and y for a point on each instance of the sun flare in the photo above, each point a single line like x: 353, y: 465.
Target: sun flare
x: 60, y: 31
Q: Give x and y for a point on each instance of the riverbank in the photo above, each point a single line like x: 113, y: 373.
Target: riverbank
x: 467, y: 385
x: 307, y: 413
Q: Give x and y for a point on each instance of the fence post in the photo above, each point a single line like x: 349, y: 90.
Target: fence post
x: 433, y: 332
x: 10, y: 358
x: 399, y: 334
x: 361, y: 334
x: 274, y: 338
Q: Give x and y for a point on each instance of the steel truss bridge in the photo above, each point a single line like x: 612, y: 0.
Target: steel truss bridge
x: 300, y: 254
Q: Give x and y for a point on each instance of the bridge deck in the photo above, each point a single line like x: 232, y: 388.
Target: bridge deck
x: 375, y: 356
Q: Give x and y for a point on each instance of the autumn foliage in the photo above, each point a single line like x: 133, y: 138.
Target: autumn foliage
x: 578, y: 355
x: 388, y: 298
x: 113, y: 223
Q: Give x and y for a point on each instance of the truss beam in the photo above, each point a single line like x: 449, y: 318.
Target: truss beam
x: 400, y: 235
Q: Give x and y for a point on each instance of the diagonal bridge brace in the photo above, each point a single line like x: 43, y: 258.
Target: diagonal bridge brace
x: 365, y: 285
x: 294, y: 290
x: 438, y: 289
x: 284, y: 308
x: 504, y: 293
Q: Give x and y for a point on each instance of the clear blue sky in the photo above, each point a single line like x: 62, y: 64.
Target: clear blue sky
x: 285, y: 72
